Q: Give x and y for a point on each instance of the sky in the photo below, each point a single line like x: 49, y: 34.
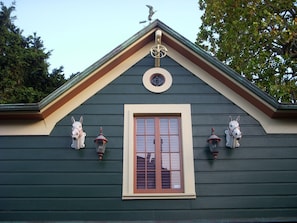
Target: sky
x: 78, y: 33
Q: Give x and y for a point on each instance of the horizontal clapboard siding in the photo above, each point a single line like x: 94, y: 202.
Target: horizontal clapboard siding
x: 42, y: 178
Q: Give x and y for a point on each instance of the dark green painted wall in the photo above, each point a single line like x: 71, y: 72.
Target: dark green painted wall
x: 42, y: 178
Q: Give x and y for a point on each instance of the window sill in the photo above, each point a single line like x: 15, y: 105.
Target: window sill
x: 159, y: 196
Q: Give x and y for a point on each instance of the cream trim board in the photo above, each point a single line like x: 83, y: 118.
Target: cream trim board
x: 271, y: 126
x: 187, y: 144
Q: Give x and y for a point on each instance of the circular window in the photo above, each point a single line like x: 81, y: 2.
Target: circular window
x: 157, y: 80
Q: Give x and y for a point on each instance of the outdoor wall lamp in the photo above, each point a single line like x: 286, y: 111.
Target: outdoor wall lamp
x: 213, y: 142
x: 100, y: 142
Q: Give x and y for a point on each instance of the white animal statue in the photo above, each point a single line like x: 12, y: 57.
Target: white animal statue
x: 233, y: 133
x: 78, y: 135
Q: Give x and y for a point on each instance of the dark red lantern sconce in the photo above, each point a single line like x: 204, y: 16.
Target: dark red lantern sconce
x: 100, y: 142
x: 213, y: 143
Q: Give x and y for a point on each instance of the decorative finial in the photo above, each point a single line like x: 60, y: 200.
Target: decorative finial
x: 212, y: 131
x: 158, y: 51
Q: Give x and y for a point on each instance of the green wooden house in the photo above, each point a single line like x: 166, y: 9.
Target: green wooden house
x: 157, y: 97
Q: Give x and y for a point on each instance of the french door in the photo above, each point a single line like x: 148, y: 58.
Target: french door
x: 158, y: 155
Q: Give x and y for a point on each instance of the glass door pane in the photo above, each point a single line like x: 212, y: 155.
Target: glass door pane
x: 145, y: 153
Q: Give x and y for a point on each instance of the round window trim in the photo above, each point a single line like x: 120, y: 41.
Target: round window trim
x: 149, y: 80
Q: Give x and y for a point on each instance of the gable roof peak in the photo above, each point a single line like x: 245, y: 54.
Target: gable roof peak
x: 186, y: 48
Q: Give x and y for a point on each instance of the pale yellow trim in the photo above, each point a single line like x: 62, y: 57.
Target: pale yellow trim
x: 272, y: 126
x: 187, y: 144
x: 44, y: 127
x: 146, y: 80
x: 159, y: 196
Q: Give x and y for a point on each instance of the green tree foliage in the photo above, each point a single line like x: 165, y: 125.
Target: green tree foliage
x: 24, y: 76
x: 257, y: 38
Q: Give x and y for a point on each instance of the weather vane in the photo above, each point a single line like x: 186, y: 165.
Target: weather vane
x: 151, y: 13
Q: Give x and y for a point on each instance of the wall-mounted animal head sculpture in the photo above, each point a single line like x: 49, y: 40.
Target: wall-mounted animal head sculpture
x: 233, y: 133
x: 78, y: 135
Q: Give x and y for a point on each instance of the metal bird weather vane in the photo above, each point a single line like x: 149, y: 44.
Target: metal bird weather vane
x: 150, y: 15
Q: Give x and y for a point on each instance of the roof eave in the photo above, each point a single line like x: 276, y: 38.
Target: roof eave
x: 274, y: 110
x: 34, y: 111
x: 20, y: 111
x: 253, y: 94
x: 78, y: 78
